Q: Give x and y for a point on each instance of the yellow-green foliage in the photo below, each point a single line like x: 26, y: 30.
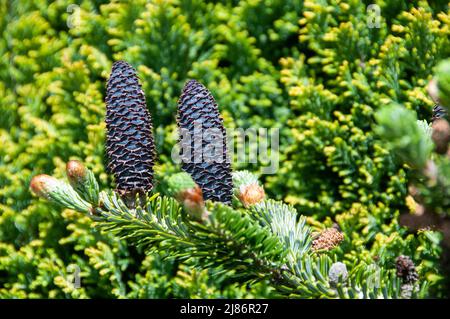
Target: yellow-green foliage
x: 314, y: 69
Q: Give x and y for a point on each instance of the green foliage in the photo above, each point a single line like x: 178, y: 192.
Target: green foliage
x: 426, y: 148
x: 312, y: 69
x: 443, y: 82
x: 411, y: 141
x: 403, y: 133
x: 179, y: 182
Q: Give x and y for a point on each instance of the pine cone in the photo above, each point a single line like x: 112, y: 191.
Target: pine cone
x: 203, y: 142
x: 327, y: 239
x: 406, y: 269
x: 438, y: 112
x: 129, y: 142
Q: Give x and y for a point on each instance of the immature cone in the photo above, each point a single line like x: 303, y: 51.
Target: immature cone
x: 327, y: 239
x: 129, y: 141
x: 203, y: 142
x: 406, y: 269
x: 337, y: 273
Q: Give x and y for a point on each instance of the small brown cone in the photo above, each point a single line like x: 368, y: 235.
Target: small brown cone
x: 327, y: 239
x: 406, y: 269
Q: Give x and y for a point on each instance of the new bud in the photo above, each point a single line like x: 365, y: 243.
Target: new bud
x: 76, y: 173
x: 83, y: 181
x: 183, y: 188
x: 43, y: 185
x: 247, y: 188
x: 56, y: 191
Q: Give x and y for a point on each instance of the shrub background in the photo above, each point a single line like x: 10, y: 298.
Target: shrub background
x: 314, y: 69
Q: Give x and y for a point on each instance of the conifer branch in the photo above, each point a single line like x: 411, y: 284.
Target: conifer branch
x: 267, y: 241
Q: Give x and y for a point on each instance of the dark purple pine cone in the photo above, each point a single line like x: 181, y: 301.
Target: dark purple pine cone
x: 406, y: 269
x: 129, y: 141
x: 438, y: 112
x: 203, y: 142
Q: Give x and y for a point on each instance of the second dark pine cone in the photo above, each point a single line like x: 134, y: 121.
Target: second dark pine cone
x: 198, y: 109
